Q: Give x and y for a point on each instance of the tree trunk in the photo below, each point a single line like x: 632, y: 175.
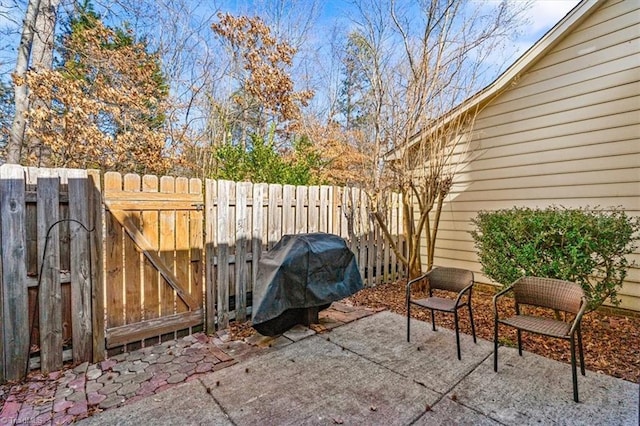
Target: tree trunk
x: 42, y: 59
x: 43, y: 41
x: 16, y: 136
x: 35, y: 50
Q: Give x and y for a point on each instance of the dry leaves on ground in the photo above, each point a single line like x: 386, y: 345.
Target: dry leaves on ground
x: 611, y: 343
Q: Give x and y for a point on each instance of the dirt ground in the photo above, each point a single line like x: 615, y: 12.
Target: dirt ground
x: 611, y: 343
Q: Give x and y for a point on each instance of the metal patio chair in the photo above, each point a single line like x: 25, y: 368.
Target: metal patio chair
x: 454, y: 280
x: 550, y: 293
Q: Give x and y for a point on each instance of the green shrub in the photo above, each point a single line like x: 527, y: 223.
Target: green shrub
x: 587, y: 246
x: 260, y: 161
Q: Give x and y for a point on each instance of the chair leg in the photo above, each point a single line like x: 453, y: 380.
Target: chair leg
x: 519, y: 342
x: 455, y: 317
x: 433, y: 320
x: 408, y: 321
x: 495, y: 345
x: 580, y: 350
x: 473, y: 327
x: 574, y: 373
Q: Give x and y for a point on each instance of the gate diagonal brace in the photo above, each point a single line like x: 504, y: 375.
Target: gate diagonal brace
x: 147, y: 249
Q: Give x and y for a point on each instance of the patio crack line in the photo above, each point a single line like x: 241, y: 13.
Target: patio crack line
x: 344, y: 348
x: 458, y: 382
x: 442, y: 395
x: 208, y: 390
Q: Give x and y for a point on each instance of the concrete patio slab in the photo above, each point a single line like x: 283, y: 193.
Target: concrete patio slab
x: 430, y: 358
x: 186, y: 404
x: 365, y: 372
x: 315, y: 381
x: 447, y: 412
x: 531, y: 389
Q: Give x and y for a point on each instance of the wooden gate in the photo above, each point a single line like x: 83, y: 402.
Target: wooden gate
x: 153, y: 259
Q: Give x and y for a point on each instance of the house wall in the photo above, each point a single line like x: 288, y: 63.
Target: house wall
x: 566, y: 133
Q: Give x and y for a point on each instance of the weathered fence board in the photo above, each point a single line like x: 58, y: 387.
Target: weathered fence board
x: 183, y: 252
x: 50, y: 291
x: 15, y: 321
x: 151, y: 283
x: 210, y: 251
x: 195, y: 245
x: 96, y: 221
x: 114, y: 255
x: 167, y: 253
x: 288, y: 209
x: 130, y: 221
x: 274, y: 209
x: 258, y: 230
x: 221, y: 246
x: 80, y: 252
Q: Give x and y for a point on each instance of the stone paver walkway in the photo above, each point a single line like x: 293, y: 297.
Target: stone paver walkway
x: 65, y: 396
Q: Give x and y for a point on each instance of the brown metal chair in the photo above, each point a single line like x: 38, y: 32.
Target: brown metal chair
x: 550, y: 293
x: 459, y: 281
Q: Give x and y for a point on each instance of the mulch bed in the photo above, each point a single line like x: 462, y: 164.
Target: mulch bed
x: 611, y: 343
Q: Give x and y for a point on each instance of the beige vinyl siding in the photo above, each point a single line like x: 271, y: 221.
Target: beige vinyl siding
x: 565, y: 133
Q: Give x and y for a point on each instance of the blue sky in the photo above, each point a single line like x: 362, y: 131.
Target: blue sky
x: 542, y: 16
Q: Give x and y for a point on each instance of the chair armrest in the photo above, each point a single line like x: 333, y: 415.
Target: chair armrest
x: 463, y: 291
x: 415, y: 280
x: 498, y: 295
x: 578, y: 318
x: 420, y: 278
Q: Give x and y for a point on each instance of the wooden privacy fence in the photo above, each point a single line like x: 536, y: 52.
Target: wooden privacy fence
x: 92, y: 265
x: 46, y: 295
x: 243, y: 219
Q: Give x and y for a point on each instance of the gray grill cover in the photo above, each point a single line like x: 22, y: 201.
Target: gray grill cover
x: 302, y: 271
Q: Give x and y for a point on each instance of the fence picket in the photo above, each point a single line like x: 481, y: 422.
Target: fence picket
x: 195, y: 245
x: 151, y: 291
x: 50, y: 291
x: 13, y: 286
x: 182, y: 237
x: 211, y: 248
x: 96, y: 220
x: 222, y: 281
x: 288, y: 209
x: 167, y: 247
x: 113, y: 261
x: 258, y: 231
x: 301, y: 219
x: 132, y: 261
x: 336, y: 211
x: 359, y: 231
x: 313, y: 211
x: 386, y: 255
x: 80, y: 252
x: 275, y: 212
x: 323, y: 210
x: 242, y: 236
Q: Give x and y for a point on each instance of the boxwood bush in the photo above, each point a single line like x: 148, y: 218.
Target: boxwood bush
x: 587, y: 246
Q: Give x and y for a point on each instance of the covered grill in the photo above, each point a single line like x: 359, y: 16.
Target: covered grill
x: 299, y: 276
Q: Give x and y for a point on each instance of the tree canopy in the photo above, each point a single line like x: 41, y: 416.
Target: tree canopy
x: 103, y: 105
x: 176, y: 87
